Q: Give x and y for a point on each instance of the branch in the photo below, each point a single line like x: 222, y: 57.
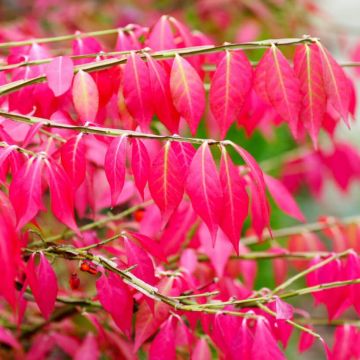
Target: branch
x: 162, y: 55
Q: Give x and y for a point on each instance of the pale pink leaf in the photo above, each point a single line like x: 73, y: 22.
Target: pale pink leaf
x: 187, y: 91
x: 201, y: 350
x: 204, y: 188
x: 230, y: 86
x: 137, y: 90
x: 115, y: 161
x: 115, y: 296
x: 284, y: 311
x: 43, y: 284
x: 60, y: 72
x: 85, y: 96
x: 283, y: 198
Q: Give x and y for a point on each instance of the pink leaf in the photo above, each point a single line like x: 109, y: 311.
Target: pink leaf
x: 161, y: 36
x: 282, y: 87
x: 204, y: 188
x: 306, y: 340
x: 6, y: 337
x: 201, y: 350
x: 185, y: 153
x: 85, y: 96
x: 187, y: 91
x: 283, y: 310
x: 60, y: 72
x: 336, y: 83
x: 144, y: 269
x: 140, y: 164
x: 43, y: 284
x: 283, y: 198
x: 73, y: 160
x: 230, y: 85
x: 62, y: 195
x: 117, y: 300
x: 166, y: 181
x: 26, y: 192
x: 163, y: 346
x: 115, y: 161
x: 161, y: 95
x: 137, y: 90
x: 88, y: 350
x: 235, y: 201
x: 307, y: 66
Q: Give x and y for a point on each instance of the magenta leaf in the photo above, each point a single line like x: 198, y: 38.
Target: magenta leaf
x: 140, y: 164
x: 204, y: 188
x: 115, y: 161
x: 163, y: 346
x: 116, y: 298
x: 187, y: 91
x: 43, y: 284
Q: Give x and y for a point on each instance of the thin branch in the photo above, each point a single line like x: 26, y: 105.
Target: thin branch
x: 162, y: 55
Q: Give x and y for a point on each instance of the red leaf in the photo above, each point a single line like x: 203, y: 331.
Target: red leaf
x: 43, y: 284
x: 166, y: 181
x: 25, y: 191
x: 60, y: 72
x: 337, y: 85
x: 117, y: 300
x: 235, y: 200
x: 85, y: 96
x: 308, y: 68
x: 281, y: 87
x: 230, y: 85
x: 283, y: 198
x: 187, y: 91
x: 137, y: 90
x: 204, y: 188
x: 163, y: 346
x: 62, y: 195
x: 140, y: 164
x: 161, y: 95
x: 144, y: 269
x: 115, y: 161
x: 73, y: 160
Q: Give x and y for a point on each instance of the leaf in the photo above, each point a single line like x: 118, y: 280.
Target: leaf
x: 144, y: 269
x: 85, y: 96
x: 161, y: 36
x: 6, y: 337
x: 59, y: 73
x: 336, y: 83
x: 204, y: 188
x: 185, y: 153
x: 235, y: 200
x: 306, y: 340
x: 281, y: 86
x: 187, y: 91
x: 140, y: 164
x: 161, y: 95
x: 201, y: 350
x: 9, y: 251
x: 137, y: 90
x: 164, y: 346
x: 116, y: 298
x: 25, y: 191
x: 166, y: 181
x: 230, y: 86
x: 88, y: 350
x: 62, y: 195
x: 283, y: 198
x: 43, y: 284
x: 284, y: 311
x: 308, y: 68
x: 115, y: 161
x: 73, y: 160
